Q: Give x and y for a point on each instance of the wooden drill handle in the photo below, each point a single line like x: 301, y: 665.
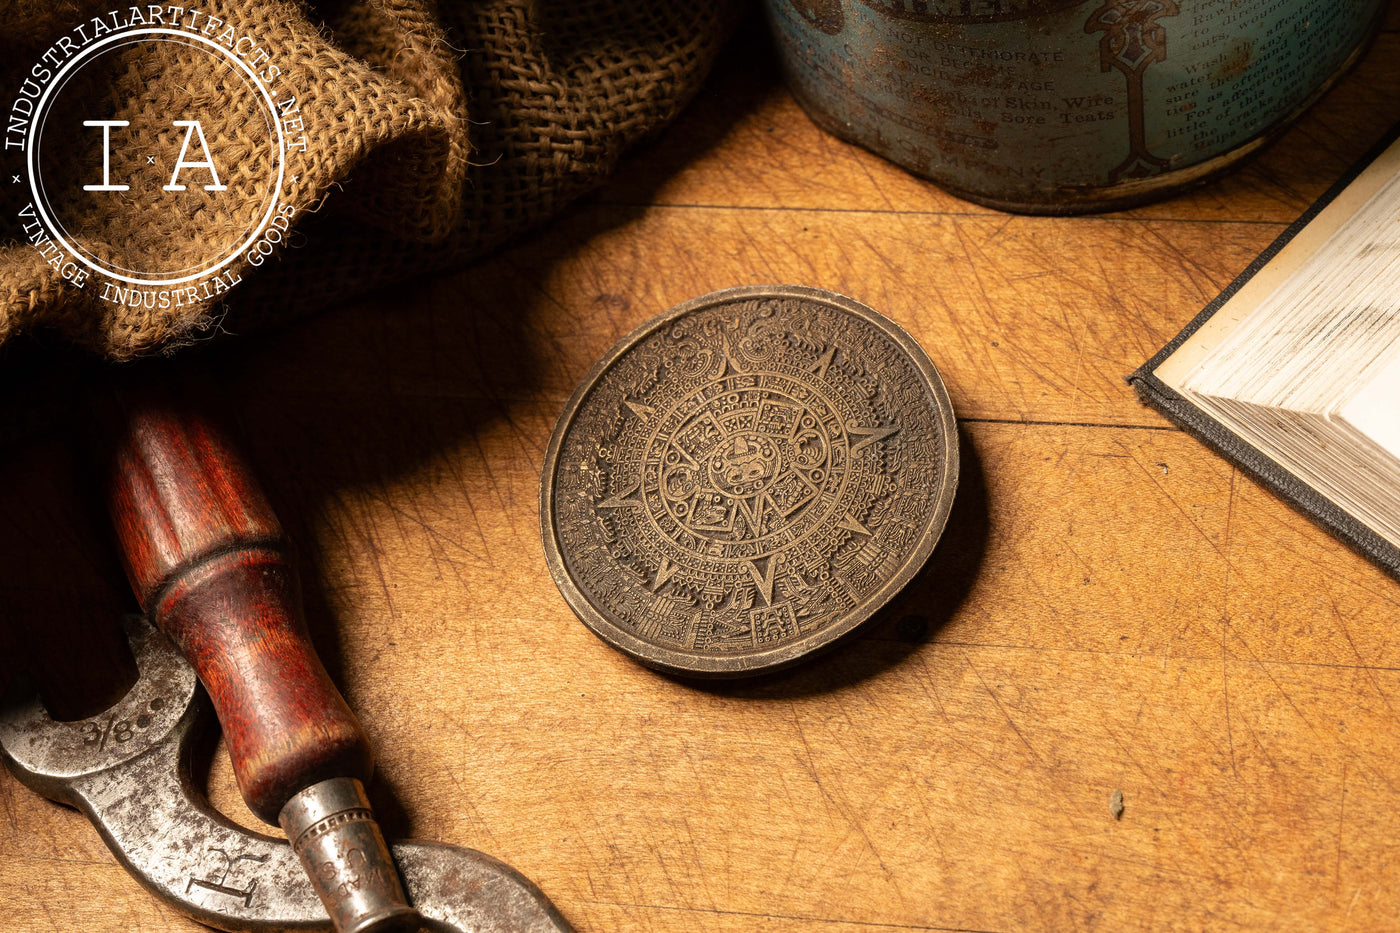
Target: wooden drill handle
x: 207, y: 558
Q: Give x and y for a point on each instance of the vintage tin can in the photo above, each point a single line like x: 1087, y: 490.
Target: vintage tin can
x: 1063, y: 106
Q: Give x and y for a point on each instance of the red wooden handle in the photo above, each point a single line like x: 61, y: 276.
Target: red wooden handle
x: 206, y: 556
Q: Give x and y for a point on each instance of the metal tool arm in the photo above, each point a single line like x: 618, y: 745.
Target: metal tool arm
x: 130, y: 770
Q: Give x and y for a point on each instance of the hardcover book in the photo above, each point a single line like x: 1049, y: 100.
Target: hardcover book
x: 1293, y: 372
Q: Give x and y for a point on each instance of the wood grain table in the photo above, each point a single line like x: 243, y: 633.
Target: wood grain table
x: 1112, y: 608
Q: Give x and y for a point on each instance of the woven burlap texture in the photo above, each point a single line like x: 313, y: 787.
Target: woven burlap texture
x: 435, y: 131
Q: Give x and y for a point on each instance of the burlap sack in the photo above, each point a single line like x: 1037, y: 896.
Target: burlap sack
x: 434, y: 132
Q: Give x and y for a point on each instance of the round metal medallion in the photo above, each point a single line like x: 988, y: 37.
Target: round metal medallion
x: 746, y: 478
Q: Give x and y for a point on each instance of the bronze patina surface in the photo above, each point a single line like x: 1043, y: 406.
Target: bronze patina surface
x: 746, y: 478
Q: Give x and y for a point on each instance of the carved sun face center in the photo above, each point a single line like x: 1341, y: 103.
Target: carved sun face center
x: 744, y: 465
x: 748, y: 457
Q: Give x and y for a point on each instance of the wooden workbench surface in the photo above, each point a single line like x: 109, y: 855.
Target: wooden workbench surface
x: 1112, y: 607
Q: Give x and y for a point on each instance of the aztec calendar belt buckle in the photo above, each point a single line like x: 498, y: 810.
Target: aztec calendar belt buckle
x: 747, y: 478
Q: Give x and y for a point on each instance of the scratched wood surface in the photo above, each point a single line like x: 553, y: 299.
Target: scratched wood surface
x: 1112, y: 607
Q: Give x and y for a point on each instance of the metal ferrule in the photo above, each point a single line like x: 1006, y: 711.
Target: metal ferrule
x: 333, y: 832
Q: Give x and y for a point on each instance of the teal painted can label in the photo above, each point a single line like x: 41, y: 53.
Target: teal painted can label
x: 1060, y: 106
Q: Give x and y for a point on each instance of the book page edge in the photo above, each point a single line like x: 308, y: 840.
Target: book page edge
x: 1173, y: 370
